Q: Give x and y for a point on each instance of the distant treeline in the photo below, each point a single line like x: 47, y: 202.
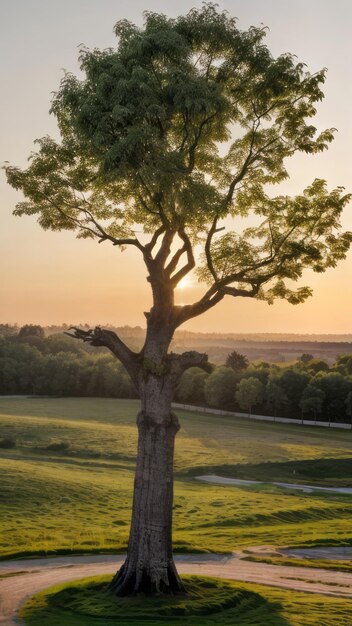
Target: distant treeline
x: 32, y: 363
x: 57, y: 365
x: 275, y: 348
x: 308, y: 389
x: 188, y: 337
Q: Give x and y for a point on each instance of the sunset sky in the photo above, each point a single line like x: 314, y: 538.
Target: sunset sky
x: 50, y: 278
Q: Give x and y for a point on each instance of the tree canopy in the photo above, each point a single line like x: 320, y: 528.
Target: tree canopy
x: 250, y: 391
x: 188, y: 121
x: 237, y: 361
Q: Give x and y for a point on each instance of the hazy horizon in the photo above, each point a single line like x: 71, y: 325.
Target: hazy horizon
x: 316, y: 337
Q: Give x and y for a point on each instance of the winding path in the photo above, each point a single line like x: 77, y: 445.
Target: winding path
x: 34, y: 575
x: 239, y: 482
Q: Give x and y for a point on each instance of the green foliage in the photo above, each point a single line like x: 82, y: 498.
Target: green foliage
x: 237, y: 361
x: 61, y: 343
x: 276, y: 399
x: 305, y: 358
x: 312, y: 400
x: 317, y: 365
x: 249, y: 392
x: 343, y: 364
x: 335, y: 388
x: 220, y: 387
x: 31, y: 330
x: 286, y: 392
x: 293, y: 383
x: 348, y: 403
x: 192, y: 386
x: 186, y: 122
x: 58, y: 365
x: 259, y: 371
x: 8, y: 330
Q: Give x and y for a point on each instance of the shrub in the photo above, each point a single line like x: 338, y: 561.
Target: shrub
x: 58, y: 446
x: 7, y: 443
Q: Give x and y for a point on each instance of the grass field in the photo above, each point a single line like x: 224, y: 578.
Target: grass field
x: 209, y: 602
x: 78, y: 497
x: 339, y: 565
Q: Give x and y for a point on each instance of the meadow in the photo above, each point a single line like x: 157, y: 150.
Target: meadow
x: 209, y: 602
x: 66, y: 485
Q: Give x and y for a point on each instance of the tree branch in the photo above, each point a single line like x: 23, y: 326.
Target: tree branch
x: 240, y: 276
x: 164, y: 250
x: 107, y: 338
x: 155, y: 199
x: 102, y: 235
x: 175, y: 279
x: 152, y: 243
x: 247, y: 162
x: 188, y: 311
x: 243, y: 293
x: 128, y: 242
x: 194, y: 145
x: 213, y: 229
x: 174, y: 261
x: 181, y: 362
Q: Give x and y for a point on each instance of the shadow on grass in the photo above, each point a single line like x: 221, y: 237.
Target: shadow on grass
x: 208, y: 602
x: 320, y: 471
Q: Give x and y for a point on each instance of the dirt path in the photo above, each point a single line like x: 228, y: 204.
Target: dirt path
x: 221, y: 480
x: 37, y: 574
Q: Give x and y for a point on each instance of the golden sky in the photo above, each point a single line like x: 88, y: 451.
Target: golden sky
x: 52, y: 277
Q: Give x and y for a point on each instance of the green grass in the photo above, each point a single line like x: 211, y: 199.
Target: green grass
x: 79, y: 500
x: 338, y: 565
x: 208, y: 602
x: 320, y: 472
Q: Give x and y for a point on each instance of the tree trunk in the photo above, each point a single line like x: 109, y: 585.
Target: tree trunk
x: 149, y: 565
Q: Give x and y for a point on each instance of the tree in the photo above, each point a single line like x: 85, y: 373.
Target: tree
x: 258, y: 371
x: 312, y: 400
x: 219, y: 388
x: 191, y: 386
x: 349, y: 405
x: 305, y: 358
x: 188, y: 121
x: 250, y: 391
x: 276, y: 398
x: 7, y: 330
x: 31, y: 330
x: 293, y: 383
x: 33, y: 335
x: 343, y: 364
x: 336, y: 389
x: 317, y: 365
x: 237, y: 361
x: 18, y: 363
x: 59, y: 343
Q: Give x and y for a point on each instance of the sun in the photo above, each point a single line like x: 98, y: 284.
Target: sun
x: 184, y: 283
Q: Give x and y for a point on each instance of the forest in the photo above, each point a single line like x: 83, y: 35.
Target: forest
x: 33, y: 362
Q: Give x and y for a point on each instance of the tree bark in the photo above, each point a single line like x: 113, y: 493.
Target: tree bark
x: 149, y: 566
